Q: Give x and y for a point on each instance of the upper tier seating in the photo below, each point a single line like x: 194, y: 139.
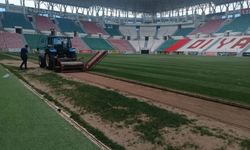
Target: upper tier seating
x: 112, y: 31
x: 32, y: 40
x: 67, y: 25
x: 42, y: 23
x: 166, y: 45
x: 239, y: 24
x: 147, y: 31
x: 12, y: 40
x: 120, y: 44
x: 78, y: 44
x: 15, y: 19
x: 183, y: 31
x: 209, y: 28
x: 98, y: 44
x: 92, y: 28
x: 164, y: 31
x: 128, y: 31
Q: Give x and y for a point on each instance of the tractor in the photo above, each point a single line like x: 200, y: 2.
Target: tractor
x: 56, y: 53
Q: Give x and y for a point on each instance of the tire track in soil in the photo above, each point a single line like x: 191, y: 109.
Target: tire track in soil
x: 224, y: 113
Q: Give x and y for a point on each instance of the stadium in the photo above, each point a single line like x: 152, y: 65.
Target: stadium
x: 155, y: 74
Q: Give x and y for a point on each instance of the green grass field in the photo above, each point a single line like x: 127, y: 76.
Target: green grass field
x: 27, y: 122
x: 219, y: 77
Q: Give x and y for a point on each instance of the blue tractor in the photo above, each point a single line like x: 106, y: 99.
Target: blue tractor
x: 56, y: 53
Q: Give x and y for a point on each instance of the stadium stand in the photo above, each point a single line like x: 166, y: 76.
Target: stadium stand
x: 32, y: 40
x: 239, y: 24
x: 164, y: 31
x: 121, y: 45
x: 112, y: 32
x: 156, y: 44
x: 184, y: 31
x: 43, y: 24
x: 129, y: 31
x: 97, y: 44
x: 79, y: 45
x: 135, y: 44
x: 68, y: 25
x: 198, y: 45
x: 231, y: 44
x: 166, y: 45
x: 147, y: 31
x: 11, y: 20
x: 92, y: 28
x: 2, y: 43
x: 209, y: 28
x: 12, y: 40
x: 177, y: 45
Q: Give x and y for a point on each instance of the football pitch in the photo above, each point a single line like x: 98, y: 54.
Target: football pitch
x: 217, y: 77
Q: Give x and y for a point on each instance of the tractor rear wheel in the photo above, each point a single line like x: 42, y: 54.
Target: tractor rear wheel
x: 49, y: 61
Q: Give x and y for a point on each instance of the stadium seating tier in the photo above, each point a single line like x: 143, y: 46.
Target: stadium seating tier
x: 11, y: 20
x: 97, y: 44
x: 67, y: 25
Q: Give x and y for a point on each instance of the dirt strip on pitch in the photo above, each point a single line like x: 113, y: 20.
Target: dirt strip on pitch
x: 224, y: 113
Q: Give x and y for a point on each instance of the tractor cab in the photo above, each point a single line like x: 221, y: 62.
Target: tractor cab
x: 62, y: 46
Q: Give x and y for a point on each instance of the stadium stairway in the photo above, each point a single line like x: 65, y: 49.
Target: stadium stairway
x: 156, y: 34
x: 200, y: 53
x: 244, y: 50
x: 131, y: 46
x: 34, y: 26
x: 146, y: 44
x: 138, y: 34
x: 177, y: 45
x: 23, y: 39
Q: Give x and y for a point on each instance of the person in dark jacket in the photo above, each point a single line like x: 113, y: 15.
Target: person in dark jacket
x: 24, y: 56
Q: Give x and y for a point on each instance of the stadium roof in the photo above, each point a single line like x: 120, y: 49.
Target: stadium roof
x: 141, y: 6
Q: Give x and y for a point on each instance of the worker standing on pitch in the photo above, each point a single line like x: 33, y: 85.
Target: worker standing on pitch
x: 24, y: 56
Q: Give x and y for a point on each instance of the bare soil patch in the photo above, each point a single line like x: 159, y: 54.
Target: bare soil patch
x: 216, y: 126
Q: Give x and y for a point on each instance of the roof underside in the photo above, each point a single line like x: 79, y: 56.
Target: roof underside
x: 141, y: 6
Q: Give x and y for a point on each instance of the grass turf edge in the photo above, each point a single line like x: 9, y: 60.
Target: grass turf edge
x: 98, y: 134
x: 195, y: 95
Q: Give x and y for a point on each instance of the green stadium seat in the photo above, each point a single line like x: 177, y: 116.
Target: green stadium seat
x: 67, y: 25
x: 11, y: 20
x: 184, y: 31
x: 239, y: 24
x: 98, y: 44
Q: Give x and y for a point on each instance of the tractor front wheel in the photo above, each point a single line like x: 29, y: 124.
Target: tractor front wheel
x: 49, y: 61
x: 41, y: 62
